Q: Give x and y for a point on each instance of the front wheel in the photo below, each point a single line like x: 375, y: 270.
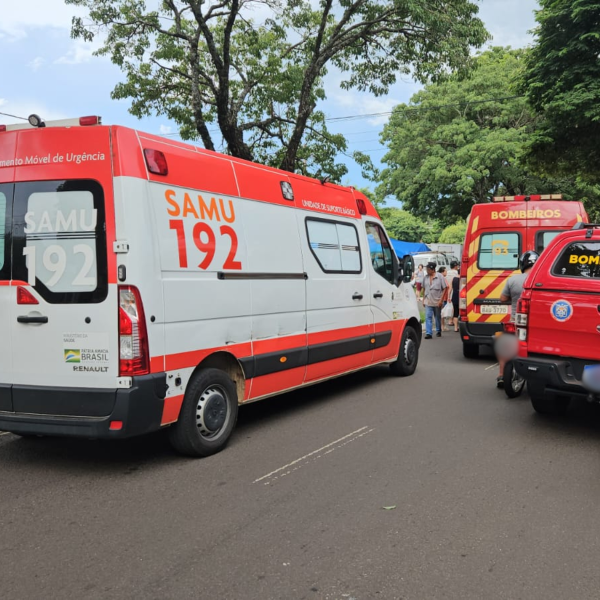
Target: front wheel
x: 513, y: 382
x: 208, y: 414
x: 408, y: 355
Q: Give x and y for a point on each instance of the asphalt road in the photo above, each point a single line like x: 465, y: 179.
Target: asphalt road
x: 491, y: 500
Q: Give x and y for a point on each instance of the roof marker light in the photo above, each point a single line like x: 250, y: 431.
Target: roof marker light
x: 91, y: 120
x: 286, y: 190
x: 156, y: 161
x: 2, y: 127
x: 362, y: 207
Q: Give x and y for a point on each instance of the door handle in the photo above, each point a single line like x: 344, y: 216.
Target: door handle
x: 357, y: 296
x: 377, y: 295
x: 26, y: 319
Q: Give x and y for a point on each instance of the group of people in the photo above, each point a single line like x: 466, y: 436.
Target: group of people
x: 437, y: 288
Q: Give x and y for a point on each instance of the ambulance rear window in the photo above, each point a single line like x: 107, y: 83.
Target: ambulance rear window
x: 3, y: 207
x: 59, y: 240
x: 581, y: 259
x: 499, y: 250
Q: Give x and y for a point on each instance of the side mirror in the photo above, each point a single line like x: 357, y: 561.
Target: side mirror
x: 408, y: 268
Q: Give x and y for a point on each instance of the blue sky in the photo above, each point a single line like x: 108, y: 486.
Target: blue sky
x: 46, y: 72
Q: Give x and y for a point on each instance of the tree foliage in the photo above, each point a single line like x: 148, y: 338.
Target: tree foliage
x: 462, y: 141
x: 401, y: 225
x: 454, y: 234
x: 205, y: 62
x: 562, y: 83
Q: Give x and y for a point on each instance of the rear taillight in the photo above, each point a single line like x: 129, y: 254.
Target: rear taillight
x: 24, y: 296
x: 510, y: 327
x: 522, y: 319
x: 133, y: 337
x: 522, y: 312
x: 462, y: 298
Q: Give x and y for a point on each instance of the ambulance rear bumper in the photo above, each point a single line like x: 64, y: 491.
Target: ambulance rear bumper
x: 86, y: 412
x: 482, y: 334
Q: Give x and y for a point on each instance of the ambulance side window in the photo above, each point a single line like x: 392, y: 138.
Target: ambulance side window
x: 581, y: 259
x: 499, y: 250
x: 543, y: 238
x: 334, y: 245
x: 381, y: 252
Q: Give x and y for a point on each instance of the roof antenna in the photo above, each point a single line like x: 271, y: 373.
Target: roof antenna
x: 325, y: 179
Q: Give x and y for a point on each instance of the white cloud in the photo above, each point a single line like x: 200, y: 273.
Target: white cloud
x: 37, y: 63
x: 17, y: 17
x: 165, y: 129
x: 80, y: 52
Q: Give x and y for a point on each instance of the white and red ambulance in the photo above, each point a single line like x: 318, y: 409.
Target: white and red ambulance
x: 146, y: 283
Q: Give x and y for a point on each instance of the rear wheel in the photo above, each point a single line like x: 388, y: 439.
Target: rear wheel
x: 208, y: 414
x: 547, y: 403
x: 408, y: 355
x: 470, y: 350
x: 513, y: 382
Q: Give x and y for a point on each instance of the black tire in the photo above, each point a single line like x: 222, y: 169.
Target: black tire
x: 514, y: 384
x: 546, y: 403
x: 208, y: 414
x: 470, y: 350
x: 408, y: 354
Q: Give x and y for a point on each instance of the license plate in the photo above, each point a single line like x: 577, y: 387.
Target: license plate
x: 494, y: 309
x: 591, y: 378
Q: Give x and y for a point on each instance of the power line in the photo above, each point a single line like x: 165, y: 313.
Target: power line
x: 13, y: 116
x: 406, y: 109
x: 421, y: 108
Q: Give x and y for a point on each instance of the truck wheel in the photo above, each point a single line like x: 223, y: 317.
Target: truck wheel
x: 408, y: 355
x: 208, y: 414
x: 547, y: 403
x: 470, y: 350
x: 513, y: 382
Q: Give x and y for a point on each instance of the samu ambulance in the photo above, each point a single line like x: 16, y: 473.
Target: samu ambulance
x: 148, y: 284
x: 497, y: 234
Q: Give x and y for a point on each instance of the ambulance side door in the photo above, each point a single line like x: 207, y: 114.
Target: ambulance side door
x: 383, y: 293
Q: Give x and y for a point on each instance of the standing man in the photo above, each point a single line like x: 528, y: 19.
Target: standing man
x: 511, y: 293
x: 435, y: 293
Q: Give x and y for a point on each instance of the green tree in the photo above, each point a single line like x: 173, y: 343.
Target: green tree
x: 203, y: 62
x: 401, y: 225
x: 562, y: 83
x: 453, y: 234
x: 461, y: 141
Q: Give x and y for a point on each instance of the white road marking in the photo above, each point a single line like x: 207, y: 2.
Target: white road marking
x: 329, y: 447
x: 491, y: 367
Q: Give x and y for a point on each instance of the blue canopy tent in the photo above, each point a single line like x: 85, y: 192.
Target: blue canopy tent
x: 400, y: 248
x: 403, y: 248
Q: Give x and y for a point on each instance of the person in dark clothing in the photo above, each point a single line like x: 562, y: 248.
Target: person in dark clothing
x: 455, y: 292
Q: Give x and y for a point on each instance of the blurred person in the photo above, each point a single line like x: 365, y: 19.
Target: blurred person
x: 512, y: 291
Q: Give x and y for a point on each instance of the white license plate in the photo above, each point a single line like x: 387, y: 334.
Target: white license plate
x: 494, y: 309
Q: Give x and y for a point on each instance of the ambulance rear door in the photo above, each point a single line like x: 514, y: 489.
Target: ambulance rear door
x: 7, y: 294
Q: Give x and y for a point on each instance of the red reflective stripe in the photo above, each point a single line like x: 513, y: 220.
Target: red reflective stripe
x: 183, y: 360
x: 171, y: 409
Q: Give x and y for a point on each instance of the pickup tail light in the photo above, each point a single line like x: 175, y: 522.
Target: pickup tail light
x: 462, y: 298
x: 522, y: 319
x: 133, y: 336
